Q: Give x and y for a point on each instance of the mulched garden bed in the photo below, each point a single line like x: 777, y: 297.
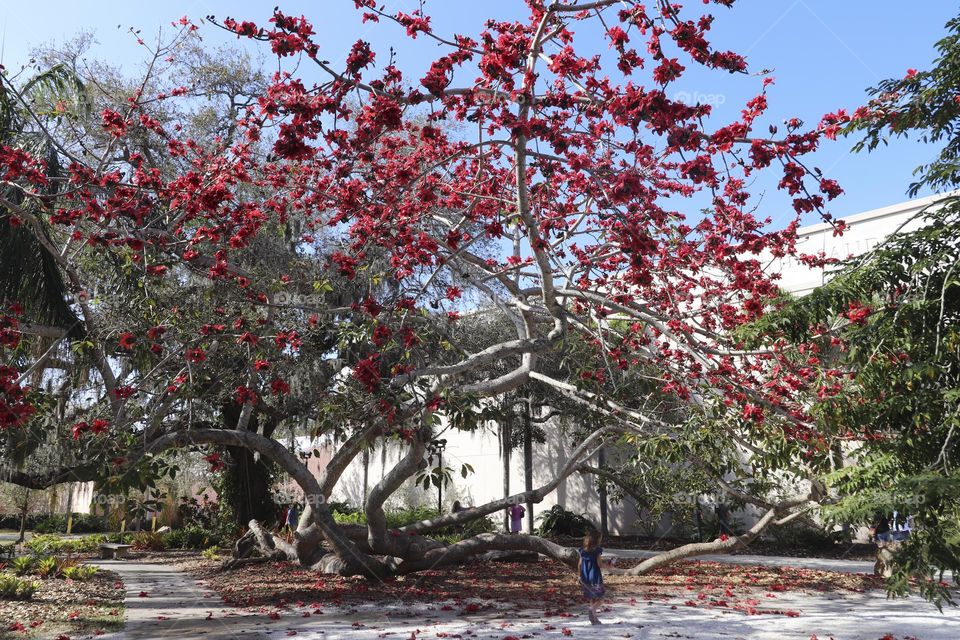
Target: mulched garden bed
x: 66, y: 609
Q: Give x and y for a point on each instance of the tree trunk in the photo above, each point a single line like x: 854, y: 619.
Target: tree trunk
x: 69, y: 508
x: 505, y: 441
x: 528, y: 459
x: 249, y: 477
x: 366, y: 473
x: 602, y: 490
x: 252, y: 498
x: 23, y: 517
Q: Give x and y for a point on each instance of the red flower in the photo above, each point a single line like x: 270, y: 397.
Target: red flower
x: 113, y: 122
x: 127, y: 340
x: 196, y: 355
x: 99, y: 426
x: 261, y: 365
x: 279, y: 387
x: 123, y: 392
x: 245, y: 395
x: 752, y: 412
x: 78, y: 429
x: 248, y: 338
x: 216, y: 463
x: 857, y: 313
x: 381, y: 334
x: 367, y: 372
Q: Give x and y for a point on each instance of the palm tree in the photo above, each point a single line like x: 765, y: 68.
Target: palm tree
x: 28, y: 272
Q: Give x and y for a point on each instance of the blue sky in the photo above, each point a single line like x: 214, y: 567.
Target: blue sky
x: 824, y: 54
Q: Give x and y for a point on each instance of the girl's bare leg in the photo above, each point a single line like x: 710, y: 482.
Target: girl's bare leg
x: 593, y: 612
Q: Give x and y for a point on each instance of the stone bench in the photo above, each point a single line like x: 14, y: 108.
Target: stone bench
x: 115, y: 551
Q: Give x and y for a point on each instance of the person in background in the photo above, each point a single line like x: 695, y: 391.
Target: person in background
x: 291, y: 520
x: 588, y: 567
x: 516, y: 517
x: 880, y: 528
x: 723, y: 519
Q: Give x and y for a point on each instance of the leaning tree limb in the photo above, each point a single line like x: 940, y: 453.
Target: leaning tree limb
x: 721, y: 545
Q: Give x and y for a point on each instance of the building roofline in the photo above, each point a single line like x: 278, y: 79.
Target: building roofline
x: 910, y: 206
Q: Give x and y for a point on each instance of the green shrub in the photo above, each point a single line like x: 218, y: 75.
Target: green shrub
x: 87, y: 544
x: 48, y: 543
x: 45, y: 544
x: 149, y: 541
x: 798, y: 535
x: 342, y: 508
x: 213, y: 553
x: 47, y: 567
x: 192, y: 538
x: 14, y: 588
x: 82, y: 523
x: 80, y: 572
x: 22, y: 565
x: 560, y: 522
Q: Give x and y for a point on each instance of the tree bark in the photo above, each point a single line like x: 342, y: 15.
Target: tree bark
x: 528, y: 458
x: 507, y: 444
x: 24, y: 510
x: 602, y: 490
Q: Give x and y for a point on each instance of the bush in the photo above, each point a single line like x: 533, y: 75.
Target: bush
x: 798, y: 535
x: 14, y: 588
x: 82, y: 523
x: 192, y: 538
x: 80, y: 572
x: 22, y: 565
x: 560, y: 522
x: 149, y: 541
x: 47, y: 544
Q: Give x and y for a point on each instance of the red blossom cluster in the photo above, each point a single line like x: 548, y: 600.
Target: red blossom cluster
x: 15, y: 407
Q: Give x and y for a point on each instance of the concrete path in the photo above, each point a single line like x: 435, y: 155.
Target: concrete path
x: 162, y: 601
x: 176, y: 605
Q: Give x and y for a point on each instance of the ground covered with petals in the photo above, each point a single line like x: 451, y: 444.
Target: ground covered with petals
x: 544, y: 585
x: 65, y: 608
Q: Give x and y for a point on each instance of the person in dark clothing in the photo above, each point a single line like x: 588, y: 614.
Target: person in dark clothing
x: 723, y: 519
x: 881, y: 528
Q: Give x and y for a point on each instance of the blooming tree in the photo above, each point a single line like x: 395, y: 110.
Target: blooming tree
x: 327, y: 257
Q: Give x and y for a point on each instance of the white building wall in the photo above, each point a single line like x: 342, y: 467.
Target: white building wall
x: 481, y: 450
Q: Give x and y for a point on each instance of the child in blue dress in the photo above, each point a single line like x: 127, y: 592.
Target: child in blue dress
x: 591, y: 580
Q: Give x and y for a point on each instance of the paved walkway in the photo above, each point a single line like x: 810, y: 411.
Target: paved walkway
x: 175, y: 605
